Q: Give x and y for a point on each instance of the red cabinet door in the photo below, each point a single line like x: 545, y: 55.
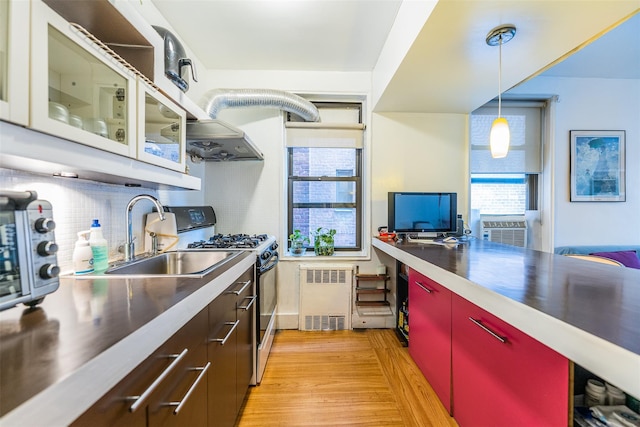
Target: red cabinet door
x: 503, y: 377
x: 430, y: 332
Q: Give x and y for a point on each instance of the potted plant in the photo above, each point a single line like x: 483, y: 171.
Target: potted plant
x: 298, y: 242
x: 323, y: 242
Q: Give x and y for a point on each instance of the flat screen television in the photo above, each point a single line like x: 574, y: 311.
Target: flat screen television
x: 423, y: 214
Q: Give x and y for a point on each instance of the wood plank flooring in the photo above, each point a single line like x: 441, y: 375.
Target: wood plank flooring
x: 342, y: 378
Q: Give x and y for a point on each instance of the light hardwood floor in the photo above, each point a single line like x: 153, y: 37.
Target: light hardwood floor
x: 342, y: 378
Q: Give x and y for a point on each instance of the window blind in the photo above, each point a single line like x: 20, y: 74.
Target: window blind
x: 525, y: 151
x: 302, y: 134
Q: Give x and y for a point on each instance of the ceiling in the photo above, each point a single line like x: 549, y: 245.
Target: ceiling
x: 448, y: 67
x: 303, y: 35
x: 614, y: 55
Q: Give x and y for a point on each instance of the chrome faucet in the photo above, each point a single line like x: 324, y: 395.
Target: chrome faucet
x: 129, y: 246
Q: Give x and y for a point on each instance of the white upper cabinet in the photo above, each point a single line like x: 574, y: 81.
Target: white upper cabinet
x: 78, y: 91
x: 111, y: 122
x: 14, y: 61
x: 161, y: 129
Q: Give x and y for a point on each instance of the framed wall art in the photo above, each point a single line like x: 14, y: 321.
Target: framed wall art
x: 597, y: 165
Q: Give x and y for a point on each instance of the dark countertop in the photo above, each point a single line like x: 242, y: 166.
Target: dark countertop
x: 587, y: 311
x: 94, y: 325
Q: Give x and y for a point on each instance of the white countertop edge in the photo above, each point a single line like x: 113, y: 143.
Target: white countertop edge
x: 613, y: 363
x: 63, y: 402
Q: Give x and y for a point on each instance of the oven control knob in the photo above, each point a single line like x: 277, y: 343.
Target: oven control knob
x: 44, y: 225
x: 274, y: 246
x: 265, y: 255
x: 47, y: 248
x: 49, y: 271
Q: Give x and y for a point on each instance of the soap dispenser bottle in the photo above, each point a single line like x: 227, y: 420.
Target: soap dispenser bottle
x: 82, y: 255
x: 99, y: 248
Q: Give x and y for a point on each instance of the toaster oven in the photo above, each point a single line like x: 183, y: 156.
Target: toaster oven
x: 28, y: 262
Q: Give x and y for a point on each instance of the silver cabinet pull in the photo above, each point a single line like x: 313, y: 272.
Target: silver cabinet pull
x: 248, y: 306
x: 496, y: 336
x: 222, y: 341
x: 244, y: 286
x: 423, y: 287
x: 139, y: 400
x: 179, y: 405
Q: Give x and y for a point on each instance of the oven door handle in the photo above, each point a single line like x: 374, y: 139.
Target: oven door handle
x: 272, y: 263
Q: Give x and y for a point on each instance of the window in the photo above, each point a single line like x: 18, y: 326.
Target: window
x: 324, y: 180
x: 504, y: 194
x: 507, y: 186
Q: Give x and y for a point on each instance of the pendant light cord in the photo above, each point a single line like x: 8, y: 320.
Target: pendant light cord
x: 500, y: 77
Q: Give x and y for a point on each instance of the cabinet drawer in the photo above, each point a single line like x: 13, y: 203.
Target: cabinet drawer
x: 221, y: 351
x: 430, y: 326
x: 166, y: 374
x: 501, y: 376
x: 246, y: 344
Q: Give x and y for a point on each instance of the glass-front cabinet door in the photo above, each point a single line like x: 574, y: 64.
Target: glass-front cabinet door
x: 79, y: 92
x: 161, y: 140
x: 14, y: 61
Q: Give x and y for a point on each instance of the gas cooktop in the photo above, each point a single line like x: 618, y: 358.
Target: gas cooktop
x: 239, y: 241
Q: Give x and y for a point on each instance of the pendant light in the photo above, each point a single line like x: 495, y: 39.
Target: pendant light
x: 500, y: 135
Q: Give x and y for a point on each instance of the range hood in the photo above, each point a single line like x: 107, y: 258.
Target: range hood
x: 216, y: 140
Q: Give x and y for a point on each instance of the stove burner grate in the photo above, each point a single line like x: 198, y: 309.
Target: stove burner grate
x: 238, y: 241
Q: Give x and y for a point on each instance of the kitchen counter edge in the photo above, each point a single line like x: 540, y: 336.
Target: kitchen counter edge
x: 63, y: 402
x: 612, y: 362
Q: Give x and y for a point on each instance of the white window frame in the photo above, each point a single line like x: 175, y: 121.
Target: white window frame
x: 366, y: 233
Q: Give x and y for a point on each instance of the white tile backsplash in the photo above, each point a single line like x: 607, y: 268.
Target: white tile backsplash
x: 77, y: 202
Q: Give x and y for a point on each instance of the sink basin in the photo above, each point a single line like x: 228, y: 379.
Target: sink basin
x: 180, y: 263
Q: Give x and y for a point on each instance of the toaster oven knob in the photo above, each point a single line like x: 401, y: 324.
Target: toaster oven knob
x: 49, y: 271
x: 44, y: 225
x: 47, y: 248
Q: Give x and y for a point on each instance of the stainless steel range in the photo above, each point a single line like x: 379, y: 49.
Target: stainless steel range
x: 267, y: 257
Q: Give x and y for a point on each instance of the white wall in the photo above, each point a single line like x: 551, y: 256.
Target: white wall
x: 419, y: 152
x: 593, y: 104
x: 246, y: 195
x: 77, y: 202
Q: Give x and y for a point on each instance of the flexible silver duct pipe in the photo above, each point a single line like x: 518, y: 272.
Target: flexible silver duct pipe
x: 216, y: 99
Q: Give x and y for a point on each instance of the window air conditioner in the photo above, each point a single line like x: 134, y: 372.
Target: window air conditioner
x: 507, y: 229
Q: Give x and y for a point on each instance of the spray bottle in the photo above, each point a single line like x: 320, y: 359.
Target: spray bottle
x: 99, y: 248
x: 82, y: 255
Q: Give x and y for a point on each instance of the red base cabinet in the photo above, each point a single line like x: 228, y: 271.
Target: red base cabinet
x: 503, y: 377
x: 430, y: 329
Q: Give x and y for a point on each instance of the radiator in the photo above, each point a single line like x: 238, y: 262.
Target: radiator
x: 325, y: 297
x: 511, y: 230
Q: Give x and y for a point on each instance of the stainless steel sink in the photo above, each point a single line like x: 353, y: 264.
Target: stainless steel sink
x: 180, y: 263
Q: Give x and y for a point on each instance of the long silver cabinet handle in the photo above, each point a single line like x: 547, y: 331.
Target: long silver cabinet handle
x: 139, y: 400
x: 179, y: 405
x: 244, y: 286
x: 423, y: 287
x: 496, y: 336
x: 248, y: 306
x: 222, y: 341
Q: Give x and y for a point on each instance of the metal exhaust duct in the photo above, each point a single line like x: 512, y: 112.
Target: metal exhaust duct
x: 216, y: 140
x: 217, y: 99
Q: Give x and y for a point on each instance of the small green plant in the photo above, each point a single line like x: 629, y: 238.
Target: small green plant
x: 323, y: 242
x: 298, y: 242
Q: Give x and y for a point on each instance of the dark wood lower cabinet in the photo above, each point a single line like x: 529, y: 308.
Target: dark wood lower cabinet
x: 245, y: 355
x: 175, y: 373
x: 198, y: 377
x: 231, y: 322
x: 222, y: 355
